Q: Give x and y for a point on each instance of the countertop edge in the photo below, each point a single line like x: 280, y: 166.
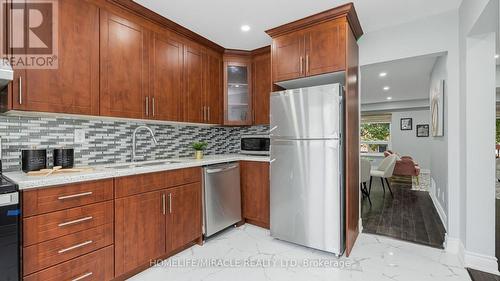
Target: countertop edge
x: 27, y: 182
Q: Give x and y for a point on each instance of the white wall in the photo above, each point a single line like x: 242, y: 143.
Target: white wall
x: 406, y: 142
x: 434, y: 34
x: 439, y: 146
x: 477, y: 26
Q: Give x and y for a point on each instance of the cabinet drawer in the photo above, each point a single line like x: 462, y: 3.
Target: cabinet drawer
x: 132, y: 185
x: 45, y: 227
x: 58, y: 250
x: 136, y: 184
x: 183, y: 176
x: 96, y: 266
x: 50, y: 199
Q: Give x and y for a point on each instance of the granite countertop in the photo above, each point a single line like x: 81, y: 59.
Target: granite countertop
x: 112, y: 171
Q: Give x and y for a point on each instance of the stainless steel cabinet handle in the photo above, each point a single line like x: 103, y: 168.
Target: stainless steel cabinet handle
x: 170, y: 203
x: 153, y: 106
x: 75, y: 247
x: 301, y: 65
x: 163, y: 204
x: 82, y: 277
x: 204, y: 114
x: 75, y: 221
x: 307, y: 64
x: 208, y: 115
x: 147, y: 106
x: 213, y: 171
x: 20, y: 90
x: 75, y: 195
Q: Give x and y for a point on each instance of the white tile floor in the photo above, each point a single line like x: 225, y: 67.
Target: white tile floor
x: 374, y: 258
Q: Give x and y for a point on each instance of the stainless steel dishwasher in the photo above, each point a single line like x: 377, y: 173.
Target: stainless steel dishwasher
x: 221, y: 197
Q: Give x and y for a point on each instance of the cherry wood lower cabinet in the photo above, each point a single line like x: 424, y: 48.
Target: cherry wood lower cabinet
x: 68, y: 232
x: 155, y: 224
x: 96, y: 266
x: 184, y: 216
x: 255, y: 192
x: 140, y: 230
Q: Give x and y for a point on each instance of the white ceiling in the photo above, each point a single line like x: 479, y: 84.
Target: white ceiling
x: 408, y: 79
x: 220, y: 20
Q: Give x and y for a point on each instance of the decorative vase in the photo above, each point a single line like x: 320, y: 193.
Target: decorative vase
x: 198, y: 154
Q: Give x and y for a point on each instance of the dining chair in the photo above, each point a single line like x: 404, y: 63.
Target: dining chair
x: 384, y: 172
x: 366, y: 167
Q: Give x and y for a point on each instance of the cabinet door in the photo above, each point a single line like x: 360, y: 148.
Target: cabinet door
x: 325, y: 48
x: 288, y: 57
x: 124, y: 68
x: 184, y: 215
x: 237, y: 92
x: 139, y: 230
x: 74, y: 86
x: 255, y: 192
x: 262, y: 88
x: 166, y: 66
x: 193, y: 93
x: 213, y: 88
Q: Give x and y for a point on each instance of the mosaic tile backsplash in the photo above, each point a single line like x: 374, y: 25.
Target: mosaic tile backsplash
x: 110, y: 141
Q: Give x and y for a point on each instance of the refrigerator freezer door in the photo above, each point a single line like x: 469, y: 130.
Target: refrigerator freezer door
x: 306, y: 193
x: 306, y: 113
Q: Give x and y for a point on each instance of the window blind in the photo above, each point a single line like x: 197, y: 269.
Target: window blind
x: 376, y: 118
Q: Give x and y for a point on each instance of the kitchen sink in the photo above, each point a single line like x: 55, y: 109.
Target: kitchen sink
x: 142, y: 165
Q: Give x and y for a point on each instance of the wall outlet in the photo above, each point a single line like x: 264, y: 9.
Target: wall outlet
x: 79, y: 136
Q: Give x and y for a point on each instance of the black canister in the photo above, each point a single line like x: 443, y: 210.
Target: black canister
x: 33, y: 159
x: 64, y: 157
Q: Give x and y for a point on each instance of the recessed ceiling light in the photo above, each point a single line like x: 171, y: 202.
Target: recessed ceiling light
x: 497, y: 56
x: 383, y: 74
x: 389, y: 98
x: 387, y: 88
x: 245, y: 28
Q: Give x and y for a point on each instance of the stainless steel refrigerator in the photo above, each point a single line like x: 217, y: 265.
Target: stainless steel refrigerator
x: 307, y: 202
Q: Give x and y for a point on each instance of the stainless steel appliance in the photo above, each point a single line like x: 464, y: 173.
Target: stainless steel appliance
x: 9, y: 230
x: 307, y: 205
x: 221, y: 197
x: 6, y: 76
x: 255, y: 144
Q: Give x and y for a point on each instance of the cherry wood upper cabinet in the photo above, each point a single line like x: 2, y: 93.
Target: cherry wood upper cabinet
x: 288, y: 57
x: 74, y: 86
x: 167, y: 59
x: 238, y: 90
x: 213, y: 87
x: 325, y: 48
x: 184, y: 215
x: 124, y: 68
x: 193, y: 93
x: 262, y: 88
x: 139, y: 230
x: 313, y: 45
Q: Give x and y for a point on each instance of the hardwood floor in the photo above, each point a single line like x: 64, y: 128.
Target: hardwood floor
x: 476, y: 275
x: 409, y: 216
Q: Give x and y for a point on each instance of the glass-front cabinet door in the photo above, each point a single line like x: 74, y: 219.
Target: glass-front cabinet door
x: 237, y: 93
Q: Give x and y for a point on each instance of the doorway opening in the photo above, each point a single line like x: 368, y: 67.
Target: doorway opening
x: 404, y: 149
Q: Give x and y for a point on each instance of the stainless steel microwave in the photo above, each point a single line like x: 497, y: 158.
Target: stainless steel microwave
x: 255, y: 144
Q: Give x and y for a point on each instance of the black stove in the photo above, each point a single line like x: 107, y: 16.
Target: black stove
x: 7, y: 186
x: 10, y: 232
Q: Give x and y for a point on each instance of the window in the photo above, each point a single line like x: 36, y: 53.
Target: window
x: 375, y: 133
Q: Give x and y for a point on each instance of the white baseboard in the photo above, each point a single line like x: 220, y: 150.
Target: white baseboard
x: 439, y: 208
x: 454, y: 246
x: 481, y: 262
